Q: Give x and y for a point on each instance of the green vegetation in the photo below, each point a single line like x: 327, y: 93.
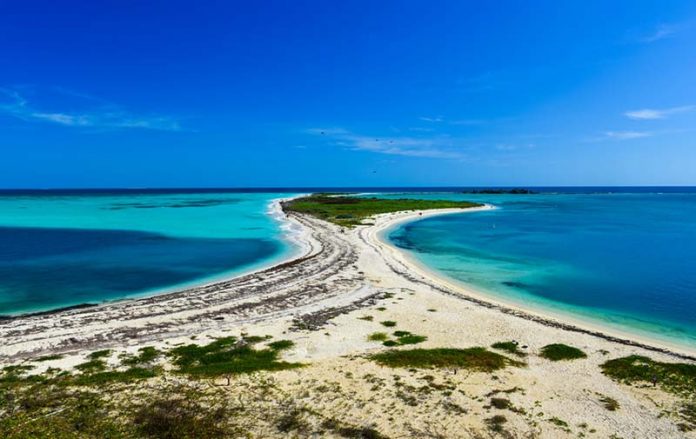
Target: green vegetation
x: 145, y: 355
x: 388, y: 323
x: 510, y: 347
x: 496, y: 423
x: 49, y: 358
x: 103, y: 377
x: 558, y: 422
x: 688, y: 413
x: 91, y: 366
x: 280, y: 345
x: 351, y: 211
x: 228, y: 356
x: 476, y: 359
x: 402, y: 338
x: 378, y: 336
x: 99, y: 354
x: 501, y: 403
x: 181, y: 417
x: 108, y: 400
x: 609, y: 403
x: 405, y: 337
x: 678, y: 378
x: 560, y: 352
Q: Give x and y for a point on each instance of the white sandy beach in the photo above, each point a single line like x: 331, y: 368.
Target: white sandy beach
x: 319, y: 301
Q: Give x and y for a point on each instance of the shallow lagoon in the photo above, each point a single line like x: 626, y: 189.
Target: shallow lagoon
x: 623, y: 259
x: 66, y: 249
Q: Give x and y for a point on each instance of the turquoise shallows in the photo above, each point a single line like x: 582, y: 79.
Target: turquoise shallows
x: 627, y: 260
x: 63, y: 250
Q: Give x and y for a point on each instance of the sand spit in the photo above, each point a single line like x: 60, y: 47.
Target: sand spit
x: 330, y: 298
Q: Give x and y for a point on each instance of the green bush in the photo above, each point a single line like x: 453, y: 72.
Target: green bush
x: 477, y: 359
x: 560, y: 352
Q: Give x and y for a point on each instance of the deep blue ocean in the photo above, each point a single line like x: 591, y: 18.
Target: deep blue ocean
x: 64, y: 248
x: 620, y: 257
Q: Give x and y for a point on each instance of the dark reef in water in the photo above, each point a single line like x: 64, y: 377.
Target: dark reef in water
x: 514, y: 284
x: 515, y: 191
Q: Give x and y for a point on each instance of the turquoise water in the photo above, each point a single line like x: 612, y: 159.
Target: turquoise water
x: 627, y: 260
x: 63, y: 249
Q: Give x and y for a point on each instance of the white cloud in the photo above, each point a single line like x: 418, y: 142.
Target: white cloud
x: 100, y: 117
x: 431, y: 119
x: 514, y: 147
x: 652, y: 114
x: 661, y: 32
x: 627, y: 135
x: 441, y: 119
x: 433, y: 147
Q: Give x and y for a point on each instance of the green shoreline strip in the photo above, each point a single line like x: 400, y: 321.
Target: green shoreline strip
x: 351, y: 211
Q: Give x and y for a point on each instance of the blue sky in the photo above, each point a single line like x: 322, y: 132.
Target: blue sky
x: 389, y: 93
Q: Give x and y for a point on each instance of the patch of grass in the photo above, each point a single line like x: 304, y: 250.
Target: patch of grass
x: 114, y: 376
x: 366, y: 318
x: 688, y: 413
x: 81, y: 414
x: 501, y: 403
x: 281, y: 345
x: 227, y: 356
x: 16, y: 374
x: 378, y: 336
x: 99, y: 354
x: 559, y: 422
x: 405, y: 337
x: 679, y: 378
x: 388, y: 323
x: 609, y: 403
x: 91, y: 366
x: 174, y: 417
x: 291, y: 419
x: 351, y: 211
x: 496, y: 423
x: 560, y: 352
x: 510, y: 347
x: 476, y: 359
x: 146, y: 355
x: 17, y: 368
x: 360, y: 433
x: 402, y: 338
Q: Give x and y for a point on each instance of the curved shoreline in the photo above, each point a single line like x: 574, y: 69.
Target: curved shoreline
x: 565, y: 321
x: 293, y: 235
x: 340, y: 271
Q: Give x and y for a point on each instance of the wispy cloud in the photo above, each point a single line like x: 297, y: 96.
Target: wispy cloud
x: 652, y: 114
x: 431, y: 147
x: 662, y: 31
x: 627, y: 135
x: 514, y: 146
x: 431, y: 119
x: 102, y: 116
x: 441, y: 119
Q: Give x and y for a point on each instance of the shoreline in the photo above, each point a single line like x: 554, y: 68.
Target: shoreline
x: 561, y: 320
